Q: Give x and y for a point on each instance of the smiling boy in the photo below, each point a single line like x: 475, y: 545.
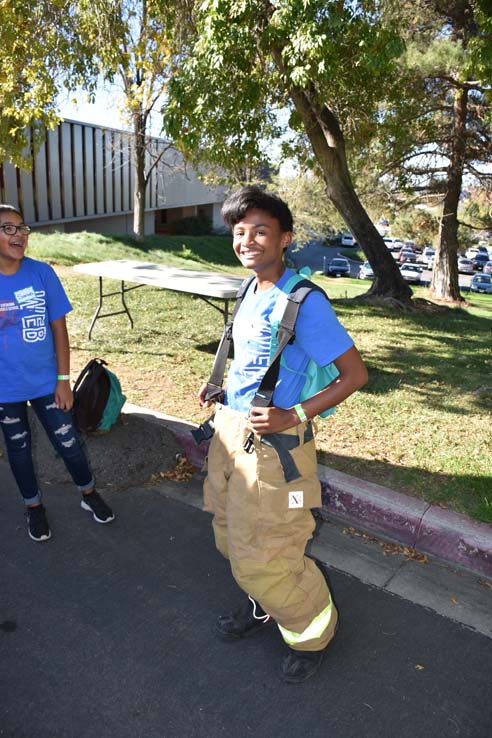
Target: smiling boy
x: 261, y: 522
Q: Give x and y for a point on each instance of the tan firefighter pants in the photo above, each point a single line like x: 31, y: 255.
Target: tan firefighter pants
x: 262, y: 524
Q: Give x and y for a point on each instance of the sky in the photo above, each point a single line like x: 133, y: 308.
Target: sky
x: 103, y: 112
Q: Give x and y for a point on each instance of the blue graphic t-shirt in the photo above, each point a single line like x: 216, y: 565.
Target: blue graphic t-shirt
x: 29, y: 301
x: 318, y: 336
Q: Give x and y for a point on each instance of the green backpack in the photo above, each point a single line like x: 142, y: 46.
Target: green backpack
x: 316, y: 377
x: 114, y: 403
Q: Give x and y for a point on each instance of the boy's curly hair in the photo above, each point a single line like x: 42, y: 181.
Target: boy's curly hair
x: 253, y: 197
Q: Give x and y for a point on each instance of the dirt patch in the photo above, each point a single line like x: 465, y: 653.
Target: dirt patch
x: 129, y: 455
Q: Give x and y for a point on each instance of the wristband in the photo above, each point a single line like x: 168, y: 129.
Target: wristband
x: 300, y: 413
x: 63, y: 376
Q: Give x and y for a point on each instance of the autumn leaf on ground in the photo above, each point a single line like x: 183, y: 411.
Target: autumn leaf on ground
x: 393, y: 549
x: 182, y: 472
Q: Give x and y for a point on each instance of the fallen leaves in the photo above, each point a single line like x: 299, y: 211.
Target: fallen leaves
x: 182, y: 472
x: 392, y: 549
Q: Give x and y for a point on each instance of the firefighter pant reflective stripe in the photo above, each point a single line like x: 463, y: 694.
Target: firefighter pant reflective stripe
x: 262, y: 524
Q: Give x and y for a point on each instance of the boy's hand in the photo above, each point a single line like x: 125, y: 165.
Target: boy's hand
x: 63, y: 394
x: 201, y: 396
x: 272, y: 419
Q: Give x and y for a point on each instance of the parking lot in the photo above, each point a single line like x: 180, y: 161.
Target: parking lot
x: 317, y: 256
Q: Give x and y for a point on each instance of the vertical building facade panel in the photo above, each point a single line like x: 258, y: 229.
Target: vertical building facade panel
x: 99, y: 170
x: 108, y: 170
x: 116, y: 162
x: 66, y: 170
x: 10, y: 193
x: 54, y: 180
x: 125, y: 172
x: 78, y: 169
x: 89, y: 170
x: 41, y: 185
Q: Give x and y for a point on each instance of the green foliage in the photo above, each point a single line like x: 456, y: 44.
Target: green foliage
x: 193, y: 225
x: 37, y: 60
x: 417, y: 225
x: 314, y: 215
x: 246, y: 58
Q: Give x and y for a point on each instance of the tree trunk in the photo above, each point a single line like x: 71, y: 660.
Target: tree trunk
x: 140, y: 182
x: 326, y: 138
x: 445, y: 284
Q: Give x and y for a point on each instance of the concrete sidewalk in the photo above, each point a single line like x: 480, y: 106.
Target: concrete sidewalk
x: 409, y: 521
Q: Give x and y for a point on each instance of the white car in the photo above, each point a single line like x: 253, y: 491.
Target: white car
x: 411, y: 272
x: 346, y: 239
x: 472, y: 252
x: 427, y: 255
x: 366, y: 272
x: 465, y: 266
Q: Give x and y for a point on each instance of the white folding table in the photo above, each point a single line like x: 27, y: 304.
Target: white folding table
x: 205, y: 285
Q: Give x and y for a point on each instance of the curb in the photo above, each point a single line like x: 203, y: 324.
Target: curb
x: 429, y: 529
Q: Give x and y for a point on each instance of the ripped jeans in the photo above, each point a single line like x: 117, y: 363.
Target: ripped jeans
x: 59, y: 426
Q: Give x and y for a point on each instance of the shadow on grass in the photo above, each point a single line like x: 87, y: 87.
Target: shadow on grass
x: 411, y: 480
x: 428, y: 351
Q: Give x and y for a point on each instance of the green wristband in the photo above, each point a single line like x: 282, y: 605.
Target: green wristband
x: 300, y: 413
x: 63, y: 376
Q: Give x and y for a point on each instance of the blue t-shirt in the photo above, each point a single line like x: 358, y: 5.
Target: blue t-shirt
x: 318, y: 336
x: 30, y: 300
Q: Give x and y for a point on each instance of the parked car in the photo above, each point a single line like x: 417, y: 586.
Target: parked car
x: 390, y: 243
x: 366, y: 272
x: 411, y: 272
x: 471, y: 252
x: 465, y: 266
x: 406, y: 255
x: 479, y: 262
x: 481, y: 283
x: 487, y: 267
x: 427, y: 255
x: 338, y: 267
x: 346, y: 239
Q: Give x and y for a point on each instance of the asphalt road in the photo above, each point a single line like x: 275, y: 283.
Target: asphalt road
x: 105, y: 632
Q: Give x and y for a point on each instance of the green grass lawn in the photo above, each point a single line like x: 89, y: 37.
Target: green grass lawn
x: 422, y: 424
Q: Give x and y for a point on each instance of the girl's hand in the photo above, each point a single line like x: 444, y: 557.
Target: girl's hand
x: 63, y: 394
x: 263, y: 420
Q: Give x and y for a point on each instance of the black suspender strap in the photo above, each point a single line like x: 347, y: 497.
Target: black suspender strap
x: 214, y: 385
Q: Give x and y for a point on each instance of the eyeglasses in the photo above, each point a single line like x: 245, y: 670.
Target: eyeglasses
x: 11, y: 230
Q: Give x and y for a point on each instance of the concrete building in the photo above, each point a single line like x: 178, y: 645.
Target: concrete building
x: 82, y: 179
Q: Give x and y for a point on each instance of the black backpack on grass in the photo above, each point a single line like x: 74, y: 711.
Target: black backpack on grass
x: 98, y: 398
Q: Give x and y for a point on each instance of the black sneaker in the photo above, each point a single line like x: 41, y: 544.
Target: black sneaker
x: 242, y: 623
x: 94, y: 503
x: 298, y: 666
x: 37, y: 524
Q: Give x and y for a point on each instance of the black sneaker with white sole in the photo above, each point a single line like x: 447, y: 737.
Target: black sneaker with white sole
x: 37, y: 523
x: 94, y: 503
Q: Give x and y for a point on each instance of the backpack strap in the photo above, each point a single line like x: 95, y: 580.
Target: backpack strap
x: 214, y: 384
